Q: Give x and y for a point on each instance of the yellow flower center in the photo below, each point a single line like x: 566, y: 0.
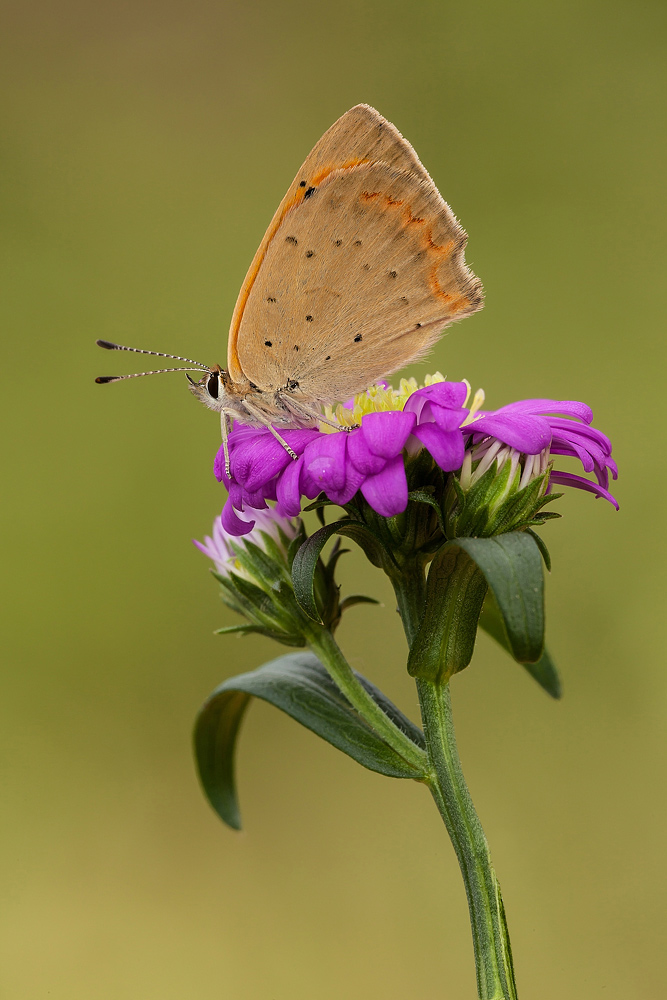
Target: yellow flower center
x: 377, y: 399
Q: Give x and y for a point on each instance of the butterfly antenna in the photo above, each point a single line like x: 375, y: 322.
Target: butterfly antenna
x: 103, y: 379
x: 108, y: 345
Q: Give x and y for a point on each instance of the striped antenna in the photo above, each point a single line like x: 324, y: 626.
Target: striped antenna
x: 108, y: 345
x: 103, y: 379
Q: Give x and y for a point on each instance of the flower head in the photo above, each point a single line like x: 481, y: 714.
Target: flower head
x: 384, y: 427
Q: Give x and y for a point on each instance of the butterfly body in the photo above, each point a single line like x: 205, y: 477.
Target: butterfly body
x: 246, y: 402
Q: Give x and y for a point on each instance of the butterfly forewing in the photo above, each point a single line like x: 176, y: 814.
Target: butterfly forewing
x: 359, y: 271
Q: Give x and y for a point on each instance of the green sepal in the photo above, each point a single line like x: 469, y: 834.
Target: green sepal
x: 423, y: 496
x: 349, y: 602
x: 244, y: 597
x: 237, y: 629
x: 544, y: 671
x: 300, y: 686
x: 542, y: 546
x: 276, y: 616
x: 267, y: 572
x: 318, y: 504
x: 283, y: 637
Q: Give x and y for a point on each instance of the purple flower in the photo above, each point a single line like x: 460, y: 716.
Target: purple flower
x: 370, y: 458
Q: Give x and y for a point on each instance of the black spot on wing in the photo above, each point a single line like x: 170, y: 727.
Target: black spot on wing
x: 291, y: 239
x: 309, y: 319
x: 270, y: 298
x: 310, y: 253
x: 268, y: 343
x: 302, y: 184
x: 309, y: 193
x: 358, y: 339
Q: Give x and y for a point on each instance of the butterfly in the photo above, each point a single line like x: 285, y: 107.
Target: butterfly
x: 361, y: 269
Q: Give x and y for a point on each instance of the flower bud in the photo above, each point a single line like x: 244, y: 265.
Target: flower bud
x: 497, y: 489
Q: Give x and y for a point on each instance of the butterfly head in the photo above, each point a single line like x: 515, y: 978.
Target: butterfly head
x: 210, y: 389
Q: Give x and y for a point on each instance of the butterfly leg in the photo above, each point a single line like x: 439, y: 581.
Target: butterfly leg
x: 224, y: 427
x: 304, y: 410
x: 254, y: 411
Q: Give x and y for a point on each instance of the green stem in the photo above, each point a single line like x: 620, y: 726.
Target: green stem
x: 328, y: 651
x: 493, y: 955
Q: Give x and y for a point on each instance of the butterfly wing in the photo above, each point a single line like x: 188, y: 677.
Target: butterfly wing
x: 359, y: 271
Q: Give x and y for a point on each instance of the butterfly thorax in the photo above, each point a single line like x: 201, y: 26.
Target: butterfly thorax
x: 246, y: 402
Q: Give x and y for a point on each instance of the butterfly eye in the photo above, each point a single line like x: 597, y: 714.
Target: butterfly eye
x: 213, y: 386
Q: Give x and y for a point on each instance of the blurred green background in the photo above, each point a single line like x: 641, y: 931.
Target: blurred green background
x: 145, y: 147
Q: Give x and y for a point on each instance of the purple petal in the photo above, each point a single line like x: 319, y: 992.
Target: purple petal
x: 257, y: 499
x: 387, y: 492
x: 447, y: 447
x: 232, y: 523
x: 451, y: 395
x: 361, y: 455
x: 353, y: 480
x: 260, y: 459
x: 584, y: 434
x: 526, y: 433
x: 568, y: 479
x: 386, y: 433
x: 325, y: 459
x: 565, y: 407
x: 206, y: 547
x: 447, y: 420
x: 288, y: 488
x: 583, y: 456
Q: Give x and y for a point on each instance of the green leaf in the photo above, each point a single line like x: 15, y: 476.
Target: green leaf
x: 544, y: 671
x: 512, y: 566
x: 304, y: 565
x: 300, y: 686
x: 445, y: 640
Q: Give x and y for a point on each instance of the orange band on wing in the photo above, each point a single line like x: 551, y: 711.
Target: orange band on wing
x: 246, y: 287
x: 455, y: 302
